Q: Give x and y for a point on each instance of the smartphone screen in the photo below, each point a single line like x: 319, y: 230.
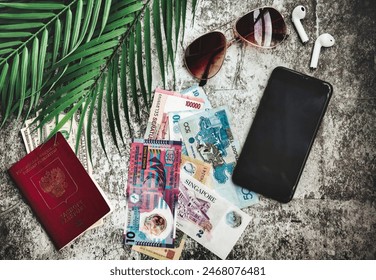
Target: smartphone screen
x: 281, y: 135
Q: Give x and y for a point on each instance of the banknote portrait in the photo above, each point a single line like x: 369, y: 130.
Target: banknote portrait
x: 157, y: 223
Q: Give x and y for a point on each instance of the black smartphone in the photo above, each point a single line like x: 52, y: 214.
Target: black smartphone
x: 282, y: 133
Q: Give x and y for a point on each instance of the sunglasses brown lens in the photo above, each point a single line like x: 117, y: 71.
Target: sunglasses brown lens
x: 204, y: 57
x: 264, y: 27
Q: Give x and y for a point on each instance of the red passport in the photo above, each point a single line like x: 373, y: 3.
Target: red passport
x: 61, y: 193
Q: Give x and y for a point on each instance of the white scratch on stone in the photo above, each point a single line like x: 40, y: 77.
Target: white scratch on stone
x: 317, y: 21
x: 278, y: 4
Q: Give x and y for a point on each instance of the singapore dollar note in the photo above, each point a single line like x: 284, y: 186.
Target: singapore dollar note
x: 152, y: 192
x: 208, y: 218
x: 196, y: 168
x: 208, y: 136
x: 163, y: 102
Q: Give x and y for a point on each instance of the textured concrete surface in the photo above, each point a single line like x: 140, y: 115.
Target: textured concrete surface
x: 332, y: 215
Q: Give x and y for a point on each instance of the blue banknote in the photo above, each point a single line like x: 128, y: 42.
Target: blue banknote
x: 173, y: 122
x: 207, y: 135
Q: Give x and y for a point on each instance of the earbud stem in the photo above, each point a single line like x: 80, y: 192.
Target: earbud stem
x: 299, y: 28
x: 315, y: 55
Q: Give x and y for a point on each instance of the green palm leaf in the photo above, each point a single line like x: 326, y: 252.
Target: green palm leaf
x: 26, y: 16
x: 158, y: 38
x: 42, y: 57
x: 106, y: 12
x: 132, y: 74
x: 56, y: 56
x: 178, y: 16
x: 12, y: 85
x: 24, y: 75
x: 123, y: 85
x: 81, y: 122
x: 77, y: 24
x: 34, y: 73
x: 57, y: 39
x: 10, y: 44
x: 4, y: 87
x: 109, y: 100
x: 115, y: 95
x: 68, y: 116
x: 168, y: 31
x: 183, y: 15
x: 147, y: 44
x: 85, y: 25
x: 99, y: 116
x: 92, y: 100
x: 194, y: 5
x: 140, y: 68
x: 21, y: 26
x: 34, y: 6
x: 67, y: 32
x: 94, y: 19
x: 14, y: 34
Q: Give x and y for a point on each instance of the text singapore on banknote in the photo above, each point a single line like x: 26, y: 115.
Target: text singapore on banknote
x: 208, y: 218
x: 208, y: 136
x: 152, y: 192
x: 200, y: 171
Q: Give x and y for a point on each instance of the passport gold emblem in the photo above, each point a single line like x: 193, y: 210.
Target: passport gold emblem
x: 53, y: 182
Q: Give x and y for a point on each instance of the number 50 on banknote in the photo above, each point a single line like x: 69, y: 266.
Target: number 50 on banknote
x: 152, y: 192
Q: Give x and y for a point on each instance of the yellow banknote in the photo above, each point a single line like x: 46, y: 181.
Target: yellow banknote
x: 196, y: 168
x: 164, y: 253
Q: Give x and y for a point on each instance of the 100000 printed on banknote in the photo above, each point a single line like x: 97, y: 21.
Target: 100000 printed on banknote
x: 164, y: 102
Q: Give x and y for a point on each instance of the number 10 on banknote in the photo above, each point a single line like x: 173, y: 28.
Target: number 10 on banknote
x: 152, y: 192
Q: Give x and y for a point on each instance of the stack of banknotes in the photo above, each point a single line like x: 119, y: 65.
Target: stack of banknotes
x: 33, y: 137
x: 179, y: 179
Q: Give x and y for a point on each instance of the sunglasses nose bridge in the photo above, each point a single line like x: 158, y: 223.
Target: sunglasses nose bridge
x: 232, y: 41
x: 231, y: 33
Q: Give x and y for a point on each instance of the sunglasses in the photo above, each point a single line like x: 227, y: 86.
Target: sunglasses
x: 263, y: 27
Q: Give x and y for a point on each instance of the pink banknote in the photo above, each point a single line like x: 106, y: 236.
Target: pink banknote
x: 152, y: 192
x: 164, y: 102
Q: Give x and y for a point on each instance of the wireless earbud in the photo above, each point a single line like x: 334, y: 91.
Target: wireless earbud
x: 324, y: 40
x: 297, y: 15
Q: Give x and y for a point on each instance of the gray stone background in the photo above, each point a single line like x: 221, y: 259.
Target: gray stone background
x: 332, y: 215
